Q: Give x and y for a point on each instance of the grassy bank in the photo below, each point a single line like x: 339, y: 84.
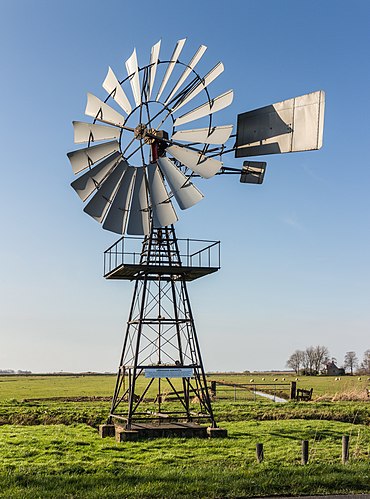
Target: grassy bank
x: 95, y: 413
x: 59, y: 461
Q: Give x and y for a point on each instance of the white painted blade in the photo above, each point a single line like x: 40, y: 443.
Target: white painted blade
x: 162, y: 208
x: 185, y: 193
x: 89, y: 181
x: 289, y: 126
x: 112, y: 86
x: 196, y: 161
x: 133, y: 72
x: 153, y: 67
x: 215, y: 135
x: 197, y: 56
x: 82, y: 158
x: 98, y: 205
x: 215, y: 105
x: 85, y: 132
x: 171, y: 65
x: 117, y: 216
x: 139, y: 222
x: 97, y: 109
x: 209, y: 78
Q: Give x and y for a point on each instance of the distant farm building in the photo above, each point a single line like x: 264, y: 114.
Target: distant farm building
x: 333, y: 370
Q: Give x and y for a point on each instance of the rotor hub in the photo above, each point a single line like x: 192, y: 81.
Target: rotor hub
x: 140, y: 131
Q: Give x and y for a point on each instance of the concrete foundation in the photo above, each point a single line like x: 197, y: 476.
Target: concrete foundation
x: 216, y: 432
x: 123, y: 435
x: 107, y: 430
x: 166, y: 430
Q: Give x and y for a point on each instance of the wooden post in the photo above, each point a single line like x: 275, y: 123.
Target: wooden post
x: 213, y: 388
x: 304, y: 451
x: 259, y: 453
x: 234, y: 393
x: 345, y: 448
x: 293, y: 390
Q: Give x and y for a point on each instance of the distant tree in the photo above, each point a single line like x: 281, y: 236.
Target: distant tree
x: 309, y: 361
x: 310, y: 357
x: 365, y: 364
x: 320, y: 356
x: 350, y: 361
x: 295, y: 361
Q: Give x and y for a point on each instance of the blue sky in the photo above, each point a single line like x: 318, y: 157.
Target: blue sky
x: 295, y: 267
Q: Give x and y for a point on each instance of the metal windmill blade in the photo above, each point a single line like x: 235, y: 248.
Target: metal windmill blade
x: 144, y: 161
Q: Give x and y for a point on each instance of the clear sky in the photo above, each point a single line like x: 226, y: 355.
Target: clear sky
x: 295, y: 251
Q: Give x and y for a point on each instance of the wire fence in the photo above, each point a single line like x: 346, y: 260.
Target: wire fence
x: 277, y: 392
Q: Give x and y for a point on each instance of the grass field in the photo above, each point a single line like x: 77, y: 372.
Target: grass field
x: 50, y: 448
x: 44, y: 386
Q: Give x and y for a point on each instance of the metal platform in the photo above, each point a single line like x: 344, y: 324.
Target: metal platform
x: 132, y: 272
x: 124, y: 260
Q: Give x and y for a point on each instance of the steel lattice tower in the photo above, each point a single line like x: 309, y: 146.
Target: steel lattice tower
x: 161, y: 357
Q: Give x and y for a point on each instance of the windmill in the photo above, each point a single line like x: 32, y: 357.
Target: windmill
x: 143, y: 168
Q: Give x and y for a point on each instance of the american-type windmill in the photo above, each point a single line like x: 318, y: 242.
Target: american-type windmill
x: 146, y: 158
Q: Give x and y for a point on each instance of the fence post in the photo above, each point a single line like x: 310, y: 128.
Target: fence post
x: 259, y: 453
x: 293, y: 390
x: 304, y: 451
x: 213, y: 388
x: 345, y: 448
x: 234, y: 393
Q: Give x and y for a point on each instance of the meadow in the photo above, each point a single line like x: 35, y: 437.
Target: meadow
x: 49, y: 444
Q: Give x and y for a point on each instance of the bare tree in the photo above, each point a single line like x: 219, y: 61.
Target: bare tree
x: 309, y: 360
x: 320, y: 355
x: 295, y: 361
x: 365, y: 364
x: 351, y: 361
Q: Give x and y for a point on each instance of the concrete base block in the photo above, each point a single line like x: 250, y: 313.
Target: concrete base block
x: 217, y: 432
x: 107, y: 430
x: 123, y: 435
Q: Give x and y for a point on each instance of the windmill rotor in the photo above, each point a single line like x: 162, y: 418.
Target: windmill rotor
x: 142, y: 161
x: 141, y: 154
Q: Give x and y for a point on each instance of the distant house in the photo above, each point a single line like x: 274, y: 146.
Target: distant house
x: 333, y: 370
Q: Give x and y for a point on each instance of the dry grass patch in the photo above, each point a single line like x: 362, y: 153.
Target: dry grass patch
x: 352, y: 395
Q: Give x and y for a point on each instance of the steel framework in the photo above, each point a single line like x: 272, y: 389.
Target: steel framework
x: 161, y: 362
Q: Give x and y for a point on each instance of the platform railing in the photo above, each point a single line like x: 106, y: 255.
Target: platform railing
x: 193, y: 253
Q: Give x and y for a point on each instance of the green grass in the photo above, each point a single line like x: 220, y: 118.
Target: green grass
x: 50, y: 448
x: 44, y: 386
x: 34, y: 400
x: 59, y: 461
